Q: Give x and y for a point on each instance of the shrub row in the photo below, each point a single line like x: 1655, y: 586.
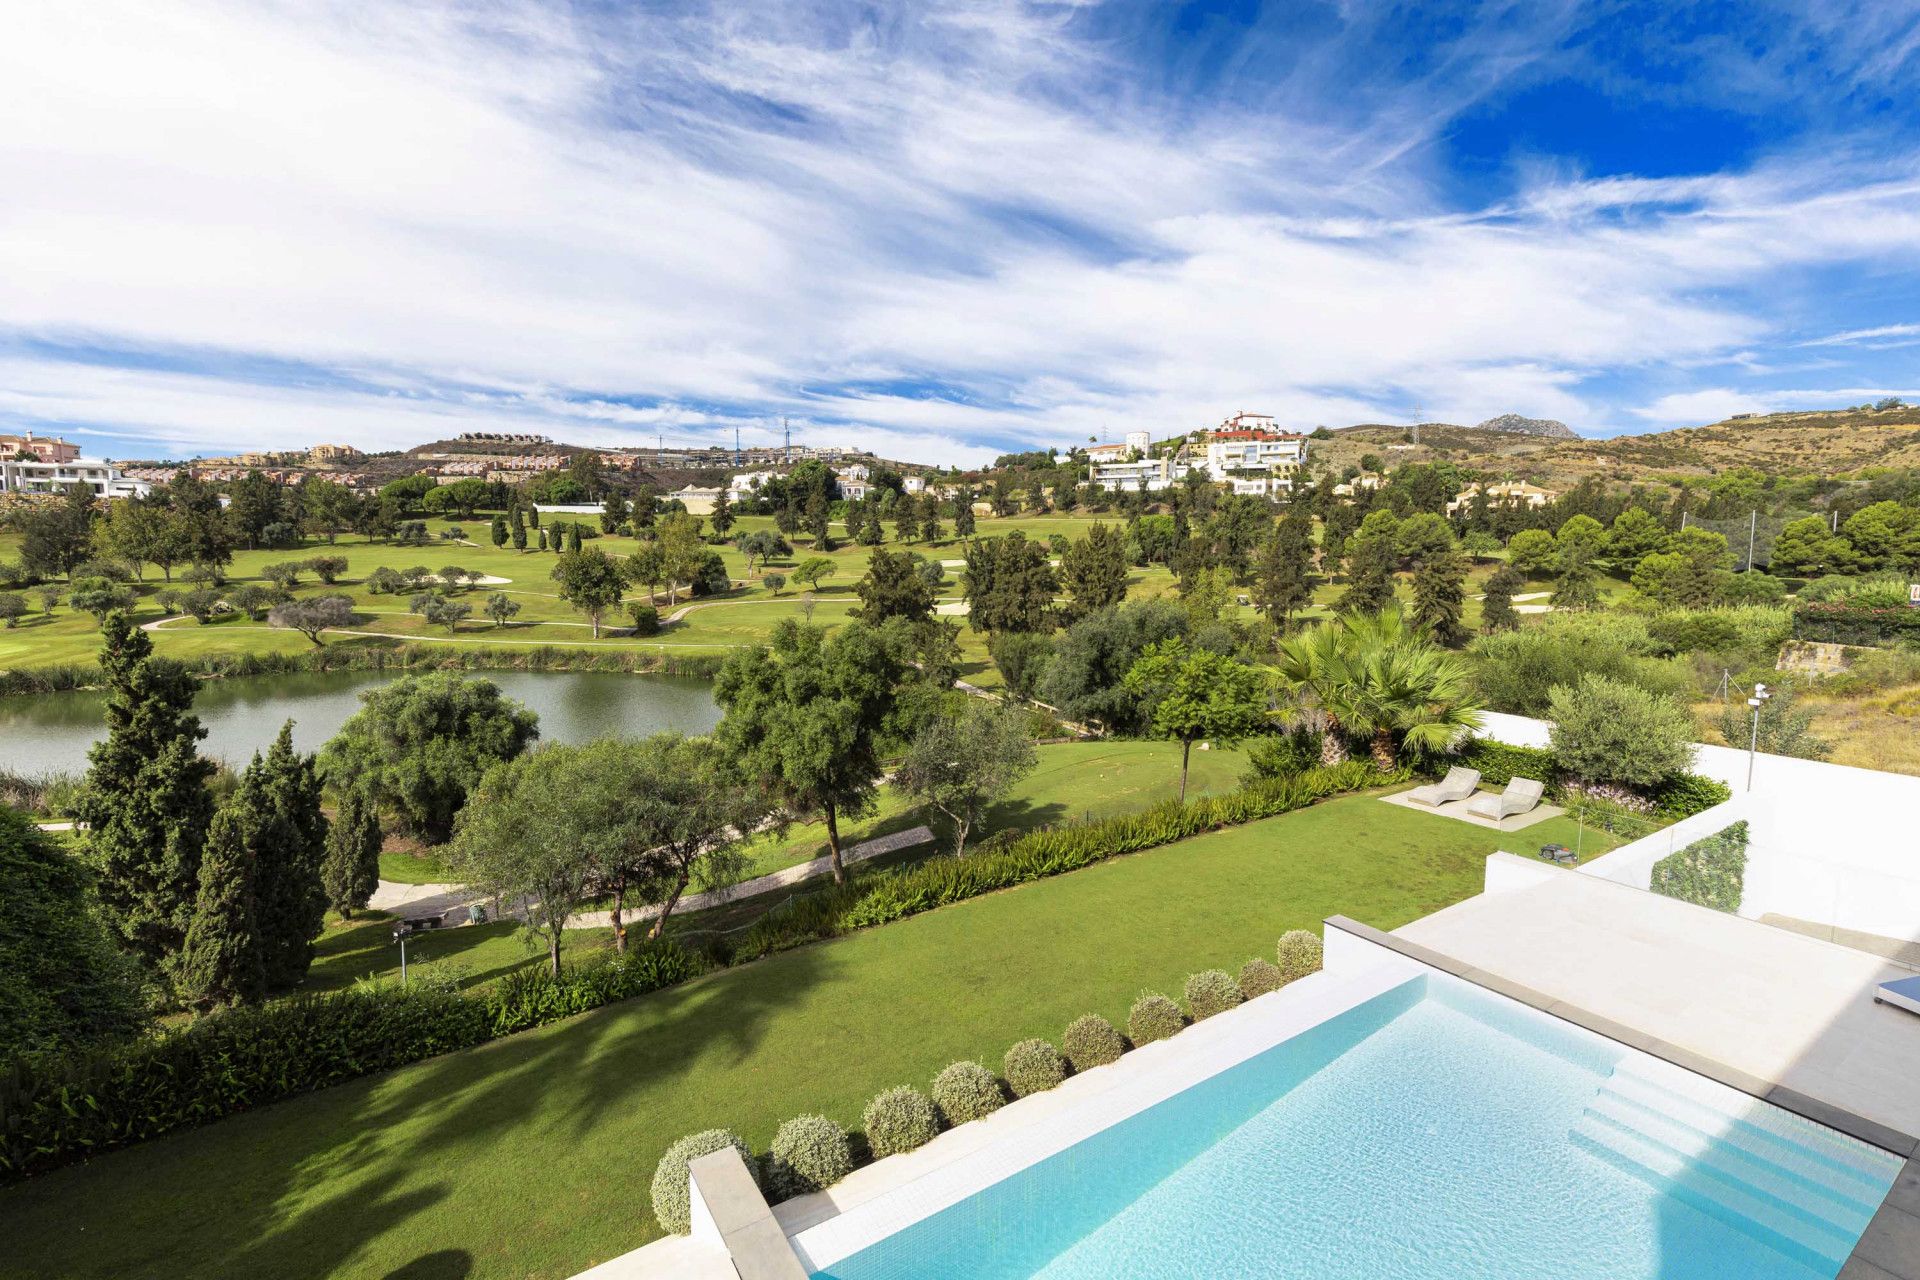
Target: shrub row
x: 1680, y: 796
x: 361, y: 657
x: 1710, y: 872
x: 1002, y: 863
x: 1844, y: 622
x: 59, y: 1108
x: 811, y: 1152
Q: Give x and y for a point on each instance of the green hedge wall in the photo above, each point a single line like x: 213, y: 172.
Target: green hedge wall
x: 58, y: 1108
x: 1680, y: 796
x: 1710, y: 872
x: 1839, y: 622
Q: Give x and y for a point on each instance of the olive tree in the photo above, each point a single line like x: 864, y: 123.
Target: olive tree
x: 1610, y: 731
x: 960, y: 765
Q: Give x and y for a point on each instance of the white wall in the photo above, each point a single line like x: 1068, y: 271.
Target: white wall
x: 1827, y: 842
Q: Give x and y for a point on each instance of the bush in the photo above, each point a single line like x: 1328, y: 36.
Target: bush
x: 1298, y: 954
x: 966, y: 1091
x: 1212, y: 991
x: 1091, y: 1041
x: 1606, y: 731
x: 646, y: 619
x: 711, y: 579
x: 1153, y: 1017
x: 809, y: 1153
x: 1295, y: 751
x: 672, y: 1203
x: 899, y: 1120
x: 58, y: 1108
x: 1710, y: 872
x: 1033, y: 1066
x: 1258, y: 977
x: 1517, y: 671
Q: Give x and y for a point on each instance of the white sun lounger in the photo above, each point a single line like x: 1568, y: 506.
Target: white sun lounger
x: 1459, y: 783
x: 1521, y: 795
x: 1901, y: 993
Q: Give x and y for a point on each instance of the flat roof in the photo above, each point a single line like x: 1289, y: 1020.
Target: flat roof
x: 1776, y: 1007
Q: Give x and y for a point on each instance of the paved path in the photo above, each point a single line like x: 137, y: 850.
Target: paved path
x: 415, y: 900
x: 764, y: 884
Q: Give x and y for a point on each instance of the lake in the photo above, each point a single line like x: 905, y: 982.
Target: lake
x: 50, y: 733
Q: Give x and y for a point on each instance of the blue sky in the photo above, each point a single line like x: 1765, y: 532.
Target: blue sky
x: 943, y: 231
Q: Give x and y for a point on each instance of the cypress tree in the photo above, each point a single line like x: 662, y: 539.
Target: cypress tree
x: 1282, y: 583
x: 220, y: 962
x: 498, y: 531
x: 1496, y: 606
x: 352, y: 869
x: 1440, y: 597
x: 543, y: 539
x: 518, y: 533
x: 573, y: 536
x: 288, y: 838
x: 145, y: 804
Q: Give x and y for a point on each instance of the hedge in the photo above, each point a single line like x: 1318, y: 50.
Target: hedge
x: 1710, y: 872
x: 58, y: 1108
x: 887, y: 896
x: 1838, y: 622
x: 1680, y: 796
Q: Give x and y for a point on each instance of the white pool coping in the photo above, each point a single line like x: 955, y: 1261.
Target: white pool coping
x: 892, y: 1194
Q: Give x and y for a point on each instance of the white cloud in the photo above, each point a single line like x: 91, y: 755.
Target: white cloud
x: 1691, y: 408
x: 523, y: 218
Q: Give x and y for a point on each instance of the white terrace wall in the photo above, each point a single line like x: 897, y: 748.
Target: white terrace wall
x: 1826, y: 842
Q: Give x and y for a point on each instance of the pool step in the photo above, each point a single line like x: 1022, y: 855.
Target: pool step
x: 1749, y: 1165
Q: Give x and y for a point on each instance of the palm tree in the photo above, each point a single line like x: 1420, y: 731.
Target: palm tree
x: 1374, y: 676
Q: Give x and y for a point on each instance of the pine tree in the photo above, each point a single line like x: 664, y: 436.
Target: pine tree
x: 1282, y: 584
x: 963, y: 514
x: 1440, y: 597
x: 352, y: 869
x: 288, y: 838
x: 930, y: 530
x: 220, y: 961
x: 145, y: 804
x: 870, y: 532
x: 1496, y: 605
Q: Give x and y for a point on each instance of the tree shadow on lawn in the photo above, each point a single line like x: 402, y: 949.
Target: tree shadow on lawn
x: 527, y: 1156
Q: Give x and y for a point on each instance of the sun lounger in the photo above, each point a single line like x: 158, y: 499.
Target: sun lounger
x: 1901, y: 993
x: 1521, y: 795
x: 1459, y: 783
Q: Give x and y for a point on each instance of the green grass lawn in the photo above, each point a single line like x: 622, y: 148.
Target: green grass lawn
x: 403, y: 867
x: 1072, y: 780
x: 531, y: 1156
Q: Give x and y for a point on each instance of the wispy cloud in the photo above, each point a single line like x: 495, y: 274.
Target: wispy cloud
x: 937, y: 231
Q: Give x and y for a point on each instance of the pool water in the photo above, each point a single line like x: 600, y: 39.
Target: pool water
x: 1435, y: 1131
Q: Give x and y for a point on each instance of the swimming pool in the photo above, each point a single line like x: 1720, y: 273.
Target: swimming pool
x: 1433, y: 1131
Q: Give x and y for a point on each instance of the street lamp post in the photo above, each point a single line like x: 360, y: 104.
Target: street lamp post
x: 400, y: 932
x: 1758, y: 700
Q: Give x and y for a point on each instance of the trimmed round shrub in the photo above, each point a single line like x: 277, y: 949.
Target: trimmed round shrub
x: 1033, y: 1066
x: 670, y: 1201
x: 1212, y: 991
x: 808, y: 1154
x: 1298, y: 953
x: 1153, y: 1017
x: 966, y: 1091
x: 1257, y: 977
x: 899, y: 1120
x: 1091, y: 1041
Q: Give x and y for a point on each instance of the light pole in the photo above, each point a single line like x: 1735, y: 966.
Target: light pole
x: 1758, y: 700
x: 400, y: 932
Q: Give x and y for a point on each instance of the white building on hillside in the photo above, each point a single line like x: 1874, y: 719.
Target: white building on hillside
x: 748, y: 481
x: 1248, y: 445
x: 42, y: 476
x: 1142, y: 475
x: 1139, y: 443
